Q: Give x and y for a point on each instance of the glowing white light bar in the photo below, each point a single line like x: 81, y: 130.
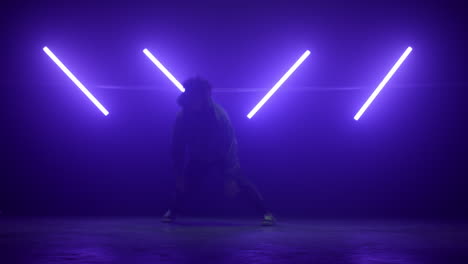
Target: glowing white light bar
x: 383, y: 83
x: 164, y: 70
x: 278, y: 84
x: 76, y: 81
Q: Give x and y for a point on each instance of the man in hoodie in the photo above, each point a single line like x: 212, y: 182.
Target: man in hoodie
x: 203, y: 133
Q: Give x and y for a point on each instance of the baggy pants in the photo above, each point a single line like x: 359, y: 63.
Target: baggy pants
x: 234, y: 182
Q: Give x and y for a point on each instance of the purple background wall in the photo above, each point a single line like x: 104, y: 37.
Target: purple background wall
x: 406, y: 157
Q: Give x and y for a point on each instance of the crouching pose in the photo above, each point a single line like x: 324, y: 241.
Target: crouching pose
x: 203, y: 133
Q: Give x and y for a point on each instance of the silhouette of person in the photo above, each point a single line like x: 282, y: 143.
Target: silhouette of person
x: 203, y: 144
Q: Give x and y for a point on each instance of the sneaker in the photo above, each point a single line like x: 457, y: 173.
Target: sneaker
x: 168, y: 217
x: 268, y: 220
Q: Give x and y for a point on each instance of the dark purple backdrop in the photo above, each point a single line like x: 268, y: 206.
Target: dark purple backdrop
x: 406, y: 157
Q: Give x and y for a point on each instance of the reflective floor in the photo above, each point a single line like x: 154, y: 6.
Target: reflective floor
x: 145, y: 240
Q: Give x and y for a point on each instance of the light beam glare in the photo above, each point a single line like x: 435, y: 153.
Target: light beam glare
x: 76, y: 81
x: 383, y: 83
x: 279, y: 83
x: 164, y: 70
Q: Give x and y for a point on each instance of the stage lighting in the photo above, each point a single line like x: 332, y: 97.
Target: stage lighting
x: 278, y: 84
x: 76, y: 81
x: 164, y: 70
x: 383, y: 83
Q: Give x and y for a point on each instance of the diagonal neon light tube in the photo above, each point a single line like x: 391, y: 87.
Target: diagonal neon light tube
x: 164, y: 70
x: 278, y: 84
x: 383, y: 83
x: 76, y: 81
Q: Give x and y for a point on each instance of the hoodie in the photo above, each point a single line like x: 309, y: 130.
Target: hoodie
x: 206, y: 137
